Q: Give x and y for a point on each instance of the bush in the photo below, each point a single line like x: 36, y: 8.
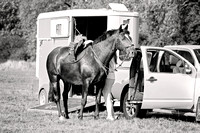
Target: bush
x: 13, y: 47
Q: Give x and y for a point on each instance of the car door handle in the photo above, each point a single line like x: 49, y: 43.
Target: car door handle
x: 151, y: 79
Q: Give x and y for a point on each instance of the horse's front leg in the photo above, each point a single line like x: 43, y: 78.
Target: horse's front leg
x: 98, y: 101
x: 84, y: 98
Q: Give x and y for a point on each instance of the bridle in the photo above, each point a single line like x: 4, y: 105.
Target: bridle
x: 104, y: 67
x: 130, y: 46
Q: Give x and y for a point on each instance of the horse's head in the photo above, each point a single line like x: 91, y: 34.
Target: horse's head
x: 124, y: 42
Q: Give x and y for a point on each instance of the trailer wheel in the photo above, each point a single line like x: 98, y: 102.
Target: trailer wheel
x: 42, y: 97
x: 132, y: 110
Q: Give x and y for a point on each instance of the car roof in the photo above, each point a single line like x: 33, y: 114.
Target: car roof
x: 184, y: 46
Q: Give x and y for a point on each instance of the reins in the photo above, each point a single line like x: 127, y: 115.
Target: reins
x: 104, y: 67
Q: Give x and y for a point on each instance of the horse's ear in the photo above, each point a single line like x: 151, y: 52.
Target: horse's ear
x: 126, y: 27
x: 123, y: 27
x: 120, y: 29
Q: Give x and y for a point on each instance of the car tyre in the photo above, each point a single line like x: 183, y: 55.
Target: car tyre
x: 42, y: 97
x: 132, y: 110
x: 198, y: 111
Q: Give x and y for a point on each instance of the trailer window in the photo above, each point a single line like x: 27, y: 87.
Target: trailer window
x: 60, y: 27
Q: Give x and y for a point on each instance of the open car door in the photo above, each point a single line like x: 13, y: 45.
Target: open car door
x: 169, y: 79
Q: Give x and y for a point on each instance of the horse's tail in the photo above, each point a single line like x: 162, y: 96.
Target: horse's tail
x: 51, y: 66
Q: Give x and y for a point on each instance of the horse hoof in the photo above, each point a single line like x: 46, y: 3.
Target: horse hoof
x: 62, y: 118
x: 66, y: 116
x: 96, y: 117
x: 80, y: 117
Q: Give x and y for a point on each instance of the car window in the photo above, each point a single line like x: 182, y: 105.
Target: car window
x: 165, y: 62
x: 187, y: 55
x: 152, y: 58
x: 197, y: 53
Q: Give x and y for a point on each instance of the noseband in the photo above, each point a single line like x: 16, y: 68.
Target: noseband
x: 130, y: 46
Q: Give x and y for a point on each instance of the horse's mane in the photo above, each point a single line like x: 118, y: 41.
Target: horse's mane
x: 79, y: 47
x: 104, y: 36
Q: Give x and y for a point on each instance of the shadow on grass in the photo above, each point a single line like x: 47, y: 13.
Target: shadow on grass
x: 102, y: 108
x: 155, y: 115
x: 89, y: 111
x: 174, y: 117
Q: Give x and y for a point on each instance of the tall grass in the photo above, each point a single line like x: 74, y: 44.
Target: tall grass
x: 18, y: 92
x: 19, y: 65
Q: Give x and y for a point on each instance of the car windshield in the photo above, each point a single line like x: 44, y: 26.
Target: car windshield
x: 197, y: 53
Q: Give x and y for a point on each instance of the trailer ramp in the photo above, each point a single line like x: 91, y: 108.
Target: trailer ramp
x: 74, y: 104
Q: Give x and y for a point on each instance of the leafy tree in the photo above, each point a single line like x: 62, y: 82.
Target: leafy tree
x: 12, y: 47
x: 189, y: 16
x: 9, y: 21
x: 162, y: 22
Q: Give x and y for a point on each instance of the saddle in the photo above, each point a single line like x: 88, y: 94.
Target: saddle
x: 77, y: 50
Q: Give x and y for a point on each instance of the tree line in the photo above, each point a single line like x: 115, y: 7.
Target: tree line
x: 162, y: 22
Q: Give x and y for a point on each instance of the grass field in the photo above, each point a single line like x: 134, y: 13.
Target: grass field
x: 18, y: 92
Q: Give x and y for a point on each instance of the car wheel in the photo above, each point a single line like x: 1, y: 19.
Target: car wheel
x: 132, y: 110
x: 198, y: 110
x: 42, y: 97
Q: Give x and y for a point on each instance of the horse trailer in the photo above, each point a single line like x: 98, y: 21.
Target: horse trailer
x: 59, y: 28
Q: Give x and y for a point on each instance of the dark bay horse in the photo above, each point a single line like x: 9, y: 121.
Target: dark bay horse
x: 90, y: 69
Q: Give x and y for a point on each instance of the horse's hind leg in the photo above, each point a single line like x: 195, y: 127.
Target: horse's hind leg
x: 55, y: 88
x: 51, y: 93
x: 65, y: 99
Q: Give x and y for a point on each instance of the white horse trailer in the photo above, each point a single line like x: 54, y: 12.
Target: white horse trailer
x: 59, y: 28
